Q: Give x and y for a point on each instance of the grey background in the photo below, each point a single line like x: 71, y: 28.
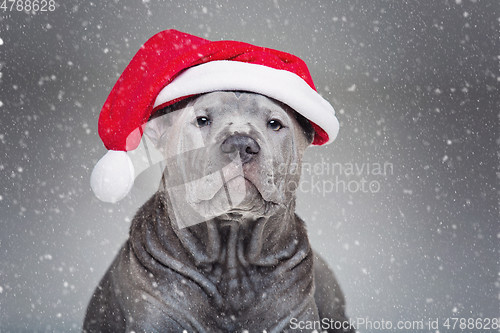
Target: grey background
x: 414, y: 83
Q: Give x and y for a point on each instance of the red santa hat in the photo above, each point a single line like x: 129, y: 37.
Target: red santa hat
x: 172, y: 66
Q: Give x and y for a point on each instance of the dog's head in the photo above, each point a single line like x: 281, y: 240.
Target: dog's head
x: 230, y: 154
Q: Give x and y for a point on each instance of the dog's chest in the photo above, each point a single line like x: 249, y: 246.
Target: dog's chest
x: 244, y: 290
x: 240, y: 283
x: 239, y: 287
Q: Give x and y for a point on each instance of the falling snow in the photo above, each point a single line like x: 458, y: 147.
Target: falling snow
x: 413, y: 83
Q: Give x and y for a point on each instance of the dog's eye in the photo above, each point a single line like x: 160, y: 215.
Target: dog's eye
x: 275, y: 125
x: 202, y: 121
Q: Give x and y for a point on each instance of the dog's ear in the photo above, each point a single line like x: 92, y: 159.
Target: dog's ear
x: 160, y: 122
x: 306, y: 126
x: 156, y: 127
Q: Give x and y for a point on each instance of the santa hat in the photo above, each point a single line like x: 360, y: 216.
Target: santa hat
x: 172, y: 66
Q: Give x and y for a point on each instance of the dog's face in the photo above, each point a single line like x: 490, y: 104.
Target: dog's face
x: 230, y: 154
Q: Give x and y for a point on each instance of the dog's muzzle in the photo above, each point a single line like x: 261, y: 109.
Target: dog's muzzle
x: 246, y: 146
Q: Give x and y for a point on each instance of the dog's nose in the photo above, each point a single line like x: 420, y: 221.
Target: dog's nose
x: 245, y: 145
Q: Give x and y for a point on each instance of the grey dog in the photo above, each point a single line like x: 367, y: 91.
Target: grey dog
x: 219, y: 247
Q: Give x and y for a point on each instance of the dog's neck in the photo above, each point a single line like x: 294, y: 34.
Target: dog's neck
x: 228, y: 259
x: 234, y: 240
x: 263, y: 241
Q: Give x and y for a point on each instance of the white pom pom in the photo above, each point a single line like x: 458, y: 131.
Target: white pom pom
x: 113, y: 176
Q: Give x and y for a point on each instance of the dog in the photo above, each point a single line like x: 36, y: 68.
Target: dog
x: 219, y: 247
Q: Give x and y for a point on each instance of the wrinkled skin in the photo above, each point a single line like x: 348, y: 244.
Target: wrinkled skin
x: 219, y: 247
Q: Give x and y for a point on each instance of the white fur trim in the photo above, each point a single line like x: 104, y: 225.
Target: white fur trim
x: 281, y: 85
x: 113, y: 176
